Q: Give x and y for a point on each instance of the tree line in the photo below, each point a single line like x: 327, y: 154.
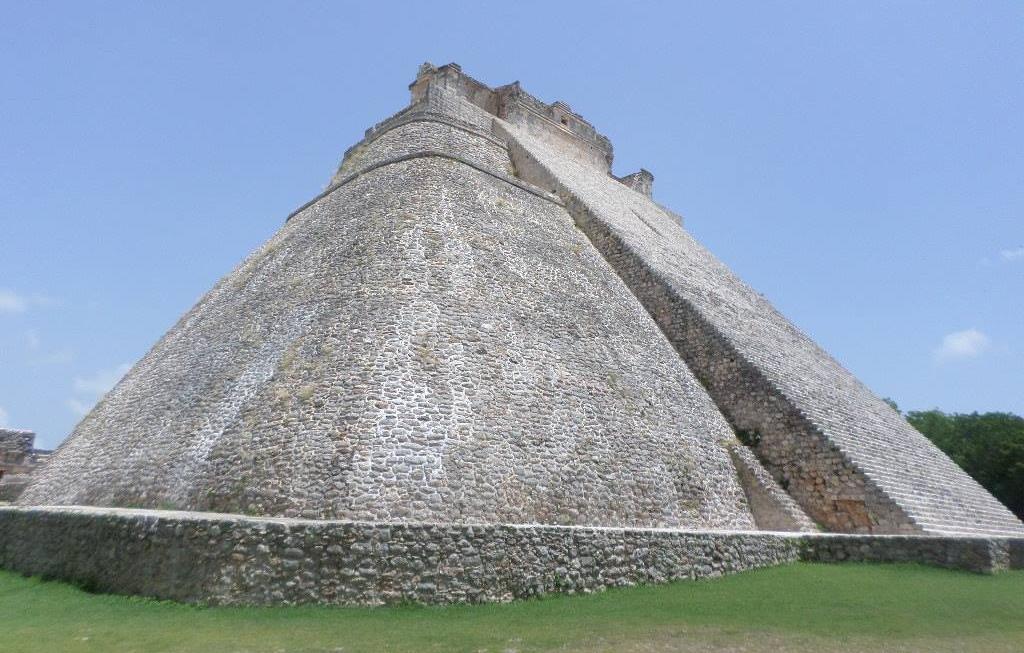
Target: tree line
x: 988, y: 446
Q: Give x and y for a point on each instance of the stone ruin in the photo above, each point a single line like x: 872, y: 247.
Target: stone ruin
x: 480, y: 366
x: 18, y: 460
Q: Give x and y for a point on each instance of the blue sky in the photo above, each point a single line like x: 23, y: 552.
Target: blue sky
x: 861, y: 164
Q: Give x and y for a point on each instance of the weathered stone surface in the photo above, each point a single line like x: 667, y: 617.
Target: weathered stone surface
x: 478, y: 323
x: 642, y: 182
x: 19, y: 459
x: 773, y: 509
x: 428, y: 341
x: 221, y: 558
x: 233, y: 559
x: 1017, y: 553
x: 850, y: 461
x: 985, y: 555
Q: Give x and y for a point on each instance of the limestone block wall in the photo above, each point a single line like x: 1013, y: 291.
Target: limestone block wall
x: 772, y: 507
x: 12, y: 486
x: 18, y: 460
x: 427, y: 341
x: 558, y: 129
x: 851, y: 462
x: 425, y: 132
x: 477, y: 322
x: 230, y: 559
x: 815, y: 472
x: 1017, y: 553
x: 641, y: 181
x: 15, y: 447
x: 233, y: 559
x: 985, y: 555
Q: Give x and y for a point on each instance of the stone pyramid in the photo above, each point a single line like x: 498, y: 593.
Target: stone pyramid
x: 478, y: 323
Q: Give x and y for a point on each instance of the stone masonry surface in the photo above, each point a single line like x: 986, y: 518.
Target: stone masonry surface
x: 773, y: 508
x: 478, y: 322
x: 851, y: 461
x: 233, y: 559
x: 479, y: 366
x: 426, y: 342
x: 19, y: 459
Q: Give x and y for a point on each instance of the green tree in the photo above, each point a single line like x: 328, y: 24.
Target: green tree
x: 989, y: 447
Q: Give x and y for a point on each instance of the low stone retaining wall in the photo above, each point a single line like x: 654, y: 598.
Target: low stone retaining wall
x: 969, y: 553
x: 11, y: 491
x: 1017, y: 553
x: 234, y: 559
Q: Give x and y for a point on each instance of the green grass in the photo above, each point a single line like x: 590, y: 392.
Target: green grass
x: 803, y: 607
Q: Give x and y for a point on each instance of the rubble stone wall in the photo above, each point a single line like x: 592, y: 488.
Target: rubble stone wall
x: 232, y: 559
x: 984, y: 555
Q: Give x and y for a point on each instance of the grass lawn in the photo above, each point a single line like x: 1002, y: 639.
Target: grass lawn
x: 802, y: 607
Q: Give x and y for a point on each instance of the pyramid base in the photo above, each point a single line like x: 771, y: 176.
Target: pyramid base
x: 236, y: 559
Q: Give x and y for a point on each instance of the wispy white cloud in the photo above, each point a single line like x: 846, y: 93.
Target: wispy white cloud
x: 90, y: 389
x: 101, y: 381
x: 961, y: 345
x: 12, y: 302
x: 1009, y: 256
x: 1012, y: 255
x: 79, y: 407
x: 4, y: 418
x: 39, y: 356
x: 56, y: 357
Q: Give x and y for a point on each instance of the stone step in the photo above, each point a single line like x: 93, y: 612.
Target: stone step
x: 950, y: 523
x: 961, y: 516
x: 889, y: 481
x: 943, y: 503
x: 932, y: 527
